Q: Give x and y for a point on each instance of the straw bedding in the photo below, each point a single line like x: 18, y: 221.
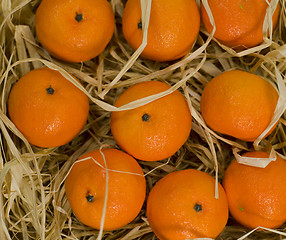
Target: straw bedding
x: 33, y: 204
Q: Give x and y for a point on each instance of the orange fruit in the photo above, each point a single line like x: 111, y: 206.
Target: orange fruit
x: 238, y: 104
x: 257, y: 196
x: 172, y: 32
x: 85, y: 188
x: 182, y: 205
x: 47, y: 108
x: 74, y: 30
x: 239, y: 23
x: 156, y: 130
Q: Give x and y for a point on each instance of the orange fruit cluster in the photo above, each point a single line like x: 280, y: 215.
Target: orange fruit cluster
x: 181, y: 205
x: 81, y: 29
x: 110, y: 183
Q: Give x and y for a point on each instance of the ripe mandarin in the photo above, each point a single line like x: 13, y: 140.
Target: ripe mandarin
x: 172, y: 32
x: 239, y: 23
x: 47, y: 108
x: 86, y: 183
x: 257, y: 196
x: 182, y: 205
x: 74, y: 30
x: 156, y: 130
x: 238, y: 104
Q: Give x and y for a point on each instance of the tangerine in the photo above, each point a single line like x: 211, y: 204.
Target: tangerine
x: 172, y: 32
x: 47, y: 108
x: 238, y: 104
x: 239, y: 23
x: 257, y: 196
x: 85, y: 188
x: 156, y: 130
x: 76, y: 30
x: 182, y: 205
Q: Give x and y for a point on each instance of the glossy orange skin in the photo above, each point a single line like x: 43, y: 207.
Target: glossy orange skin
x: 126, y: 192
x: 47, y: 120
x: 257, y: 196
x: 238, y: 104
x: 239, y: 23
x: 170, y: 206
x: 163, y: 134
x: 173, y: 28
x: 68, y: 39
